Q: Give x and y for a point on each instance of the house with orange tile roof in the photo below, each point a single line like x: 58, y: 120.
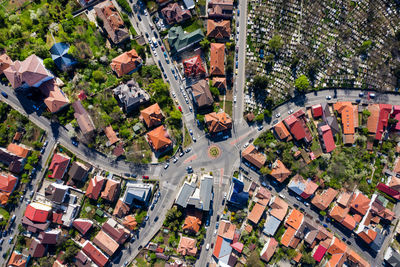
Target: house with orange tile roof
x: 121, y: 209
x: 256, y: 213
x: 220, y: 83
x: 367, y: 235
x: 355, y: 259
x: 126, y: 63
x: 8, y: 183
x: 263, y: 196
x: 349, y: 117
x: 288, y: 236
x: 220, y: 9
x: 187, y: 246
x: 19, y: 150
x: 173, y: 13
x: 112, y: 22
x: 218, y: 122
x: 360, y: 203
x: 297, y: 125
x: 193, y: 66
x: 295, y: 219
x: 192, y: 223
x: 129, y: 222
x: 226, y: 229
x: 111, y: 135
x: 5, y: 62
x: 373, y: 118
x: 106, y: 243
x: 159, y: 139
x: 152, y: 115
x: 282, y: 132
x: 55, y: 99
x: 302, y: 187
x: 95, y: 186
x: 378, y: 119
x: 218, y: 29
x: 17, y: 259
x: 278, y: 208
x: 252, y: 155
x: 279, y: 171
x: 217, y: 59
x: 58, y: 166
x: 269, y: 249
x: 323, y: 200
x: 111, y: 190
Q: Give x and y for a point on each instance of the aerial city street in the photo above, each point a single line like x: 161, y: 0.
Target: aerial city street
x: 199, y: 133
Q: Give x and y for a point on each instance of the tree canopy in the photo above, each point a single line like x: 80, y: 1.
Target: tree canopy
x: 275, y: 43
x: 302, y: 83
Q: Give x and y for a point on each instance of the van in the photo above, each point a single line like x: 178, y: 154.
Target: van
x: 208, y: 246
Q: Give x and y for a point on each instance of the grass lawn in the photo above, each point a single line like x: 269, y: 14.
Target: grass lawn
x: 228, y: 107
x: 187, y: 139
x: 151, y: 6
x: 192, y: 25
x: 6, y: 216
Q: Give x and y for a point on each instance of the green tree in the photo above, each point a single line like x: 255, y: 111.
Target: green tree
x: 302, y: 84
x: 214, y: 91
x: 260, y: 83
x: 175, y: 118
x: 49, y: 64
x: 275, y: 43
x: 260, y: 117
x: 254, y: 260
x: 205, y: 44
x: 308, y: 259
x: 98, y: 76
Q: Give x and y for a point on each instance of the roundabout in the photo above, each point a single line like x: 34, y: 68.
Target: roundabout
x: 214, y: 152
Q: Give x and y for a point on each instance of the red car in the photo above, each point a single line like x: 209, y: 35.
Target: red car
x: 162, y: 48
x: 180, y: 109
x: 145, y: 177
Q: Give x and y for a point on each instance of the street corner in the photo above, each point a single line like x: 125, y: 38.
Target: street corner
x: 214, y: 152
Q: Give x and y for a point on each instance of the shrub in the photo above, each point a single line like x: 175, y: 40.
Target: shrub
x: 125, y: 6
x: 98, y: 76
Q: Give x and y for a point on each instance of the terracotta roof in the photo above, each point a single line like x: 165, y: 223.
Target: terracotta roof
x: 173, y: 13
x: 384, y: 112
x: 7, y: 182
x: 16, y: 259
x: 58, y: 166
x: 278, y: 208
x: 152, y: 115
x: 5, y: 62
x: 345, y: 109
x: 281, y: 130
x: 279, y: 171
x: 255, y: 157
x: 372, y: 122
x: 298, y: 257
x: 4, y: 198
x: 323, y: 200
x: 218, y: 122
x: 17, y: 136
x: 344, y: 198
x: 217, y: 59
x: 360, y: 203
x: 82, y: 225
x: 269, y: 249
x: 105, y: 243
x: 248, y: 228
x: 349, y: 222
x: 111, y: 190
x: 55, y: 98
x: 18, y: 150
x: 264, y: 196
x: 95, y: 254
x: 337, y: 247
x: 396, y: 169
x: 310, y: 189
x: 121, y: 209
x: 187, y: 246
x: 327, y: 137
x: 219, y: 82
x: 112, y: 21
x: 37, y: 212
x: 355, y: 258
x: 159, y: 138
x: 317, y: 110
x: 226, y: 229
x: 296, y: 123
x: 111, y: 135
x: 256, y: 213
x: 288, y: 236
x: 82, y: 118
x: 116, y: 231
x: 218, y: 30
x: 367, y: 235
x: 36, y: 250
x: 338, y: 213
x: 95, y: 187
x: 192, y: 223
x: 220, y: 9
x: 126, y: 63
x: 202, y: 94
x: 193, y: 66
x: 130, y: 222
x: 295, y: 219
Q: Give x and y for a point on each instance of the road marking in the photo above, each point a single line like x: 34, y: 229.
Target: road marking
x: 221, y: 176
x: 190, y: 158
x: 240, y: 138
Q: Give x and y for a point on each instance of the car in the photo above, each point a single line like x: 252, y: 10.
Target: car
x: 21, y: 198
x: 158, y: 194
x: 1, y: 241
x: 155, y: 200
x: 140, y: 247
x: 10, y: 240
x: 162, y: 48
x: 180, y: 109
x: 234, y: 99
x: 186, y: 100
x: 260, y: 128
x: 166, y: 166
x: 155, y: 53
x: 189, y: 169
x: 146, y: 218
x: 296, y: 205
x: 348, y: 242
x: 325, y: 225
x: 208, y: 246
x: 145, y: 12
x: 42, y: 150
x: 358, y: 101
x: 74, y: 142
x: 238, y: 12
x: 282, y: 196
x: 126, y: 263
x: 35, y: 107
x: 173, y: 94
x: 188, y: 150
x: 156, y: 218
x: 4, y: 233
x: 372, y: 95
x: 190, y: 108
x: 246, y: 145
x: 328, y: 97
x: 152, y: 206
x: 145, y: 177
x: 361, y: 94
x: 165, y: 76
x: 139, y: 18
x: 307, y: 204
x: 269, y: 187
x: 152, y: 47
x: 175, y: 160
x: 208, y: 222
x: 173, y: 71
x: 251, y: 140
x: 194, y: 139
x: 176, y: 77
x: 165, y: 55
x: 181, y: 154
x: 290, y: 111
x: 277, y: 115
x: 237, y: 64
x: 190, y: 131
x: 215, y: 232
x: 134, y: 175
x: 147, y: 35
x: 217, y: 225
x: 45, y: 143
x: 298, y: 198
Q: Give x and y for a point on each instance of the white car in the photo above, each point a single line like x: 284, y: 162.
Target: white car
x: 166, y: 166
x: 173, y: 94
x: 155, y: 53
x: 282, y: 196
x: 146, y: 13
x: 290, y: 111
x: 246, y: 145
x: 190, y: 108
x: 234, y: 99
x: 175, y: 159
x: 208, y: 246
x: 328, y: 97
x: 278, y: 115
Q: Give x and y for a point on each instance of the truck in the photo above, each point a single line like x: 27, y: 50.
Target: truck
x: 154, y: 42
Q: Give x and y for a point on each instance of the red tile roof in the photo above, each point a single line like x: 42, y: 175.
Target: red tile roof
x: 288, y: 236
x: 367, y: 235
x: 55, y: 98
x: 327, y: 137
x: 152, y: 115
x: 187, y: 246
x: 219, y: 82
x: 218, y: 122
x: 159, y: 138
x: 310, y: 189
x: 126, y: 63
x: 279, y: 171
x: 349, y: 222
x: 217, y: 247
x: 360, y: 203
x: 37, y: 212
x: 256, y: 213
x: 111, y: 190
x: 322, y: 201
x: 82, y: 225
x: 192, y: 224
x: 193, y: 66
x: 297, y: 126
x: 217, y: 59
x: 237, y: 246
x: 106, y: 243
x: 130, y: 222
x: 16, y: 259
x: 384, y: 112
x: 36, y: 249
x: 226, y: 229
x: 295, y: 219
x: 58, y: 166
x: 95, y: 254
x: 390, y: 191
x: 218, y: 30
x: 281, y: 130
x: 317, y: 110
x: 111, y: 135
x: 7, y: 182
x: 269, y: 249
x: 95, y: 187
x: 278, y: 208
x: 202, y: 94
x: 173, y: 13
x: 319, y: 253
x: 5, y: 62
x: 121, y: 209
x: 20, y: 151
x: 252, y: 155
x: 345, y: 109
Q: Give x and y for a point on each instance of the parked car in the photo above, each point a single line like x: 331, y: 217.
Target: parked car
x: 166, y: 166
x: 190, y: 108
x: 208, y: 246
x: 181, y: 154
x: 162, y: 48
x: 74, y: 142
x: 175, y: 160
x: 10, y: 240
x: 217, y: 225
x: 146, y: 218
x: 282, y: 196
x: 180, y: 109
x: 361, y: 94
x: 290, y: 111
x: 194, y: 139
x: 238, y: 12
x: 328, y: 97
x: 372, y: 95
x: 278, y: 115
x: 234, y: 99
x: 145, y: 177
x: 325, y: 225
x: 246, y: 145
x: 188, y: 150
x: 4, y: 94
x: 152, y: 206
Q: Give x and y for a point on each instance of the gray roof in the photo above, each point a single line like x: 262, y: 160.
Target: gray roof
x: 330, y: 119
x: 271, y: 226
x: 394, y: 259
x: 206, y: 192
x: 189, y: 4
x: 137, y: 194
x: 130, y: 95
x: 186, y: 192
x: 378, y: 241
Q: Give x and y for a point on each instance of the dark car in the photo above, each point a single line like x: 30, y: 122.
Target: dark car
x: 156, y: 218
x: 4, y: 94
